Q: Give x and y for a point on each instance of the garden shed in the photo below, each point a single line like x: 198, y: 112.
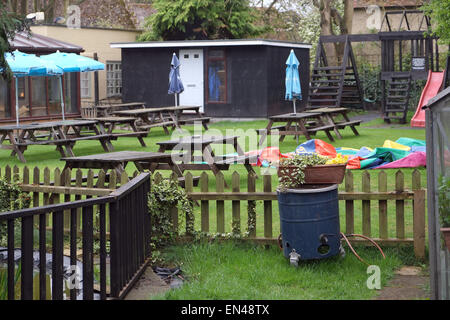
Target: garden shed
x: 438, y: 185
x: 227, y: 78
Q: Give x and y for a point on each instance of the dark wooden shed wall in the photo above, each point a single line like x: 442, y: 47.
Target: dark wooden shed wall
x: 255, y: 79
x: 277, y: 56
x: 145, y: 76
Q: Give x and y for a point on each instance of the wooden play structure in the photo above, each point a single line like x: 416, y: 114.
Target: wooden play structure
x: 407, y: 54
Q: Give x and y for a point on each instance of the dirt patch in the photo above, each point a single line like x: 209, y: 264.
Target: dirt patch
x: 409, y: 283
x: 148, y: 285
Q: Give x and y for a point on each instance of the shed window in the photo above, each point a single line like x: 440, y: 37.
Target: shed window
x: 113, y: 78
x: 217, y: 77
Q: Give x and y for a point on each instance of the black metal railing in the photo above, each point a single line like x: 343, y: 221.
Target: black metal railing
x: 129, y: 250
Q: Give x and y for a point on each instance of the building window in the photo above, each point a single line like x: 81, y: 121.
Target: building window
x: 217, y: 76
x: 85, y: 84
x: 113, y: 78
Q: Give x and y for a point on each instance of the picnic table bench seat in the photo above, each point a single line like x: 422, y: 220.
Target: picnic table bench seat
x: 155, y: 125
x: 259, y: 131
x: 247, y: 159
x: 68, y: 140
x: 321, y: 128
x: 131, y: 134
x: 342, y: 125
x: 192, y: 120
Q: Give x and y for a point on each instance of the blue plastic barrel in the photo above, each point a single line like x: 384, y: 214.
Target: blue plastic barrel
x: 309, y: 221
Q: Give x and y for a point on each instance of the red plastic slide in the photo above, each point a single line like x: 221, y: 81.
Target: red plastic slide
x: 431, y: 89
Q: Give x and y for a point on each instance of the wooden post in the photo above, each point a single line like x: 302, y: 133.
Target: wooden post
x: 251, y: 187
x: 220, y: 204
x: 400, y: 205
x: 382, y: 205
x: 174, y: 209
x: 204, y: 205
x: 366, y: 223
x: 189, y: 185
x: 267, y: 180
x: 236, y: 205
x: 349, y: 204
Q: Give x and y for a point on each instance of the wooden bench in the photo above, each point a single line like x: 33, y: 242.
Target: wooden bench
x: 155, y: 125
x: 342, y: 125
x: 246, y: 159
x: 351, y: 124
x: 322, y: 128
x: 131, y: 134
x: 259, y: 131
x: 193, y: 120
x: 326, y: 129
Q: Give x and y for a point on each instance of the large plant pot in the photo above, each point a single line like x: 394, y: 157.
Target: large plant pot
x: 446, y: 234
x: 320, y: 174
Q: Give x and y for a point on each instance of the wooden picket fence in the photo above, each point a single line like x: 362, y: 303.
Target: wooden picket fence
x: 360, y: 203
x: 350, y: 196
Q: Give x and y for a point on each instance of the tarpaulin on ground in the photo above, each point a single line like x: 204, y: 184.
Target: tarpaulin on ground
x: 317, y: 146
x: 402, y: 153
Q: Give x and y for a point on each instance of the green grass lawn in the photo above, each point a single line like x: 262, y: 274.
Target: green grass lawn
x: 231, y: 270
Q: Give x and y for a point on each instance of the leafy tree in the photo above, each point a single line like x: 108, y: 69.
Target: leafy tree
x: 10, y: 24
x: 200, y: 19
x: 439, y: 11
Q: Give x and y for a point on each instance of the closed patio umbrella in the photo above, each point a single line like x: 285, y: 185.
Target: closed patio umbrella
x: 23, y: 64
x: 293, y: 88
x: 175, y: 83
x: 71, y: 62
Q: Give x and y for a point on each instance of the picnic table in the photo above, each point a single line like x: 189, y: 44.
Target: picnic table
x: 62, y: 134
x: 108, y: 124
x: 164, y: 117
x: 119, y: 160
x: 329, y: 115
x: 107, y: 109
x: 296, y: 124
x: 208, y: 161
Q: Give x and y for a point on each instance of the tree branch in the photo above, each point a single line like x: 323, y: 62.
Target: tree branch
x: 339, y: 20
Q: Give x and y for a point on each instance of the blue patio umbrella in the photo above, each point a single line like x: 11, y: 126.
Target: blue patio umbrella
x: 71, y: 62
x: 23, y: 64
x: 175, y: 83
x: 293, y: 88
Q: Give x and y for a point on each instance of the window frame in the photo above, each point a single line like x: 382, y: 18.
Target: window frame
x: 208, y: 60
x: 89, y: 85
x: 108, y: 79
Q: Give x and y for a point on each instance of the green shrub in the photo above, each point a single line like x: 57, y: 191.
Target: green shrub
x: 11, y: 198
x: 165, y: 195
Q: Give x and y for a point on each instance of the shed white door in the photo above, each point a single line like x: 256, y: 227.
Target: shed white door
x: 191, y: 73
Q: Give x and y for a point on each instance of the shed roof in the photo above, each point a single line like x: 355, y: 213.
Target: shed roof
x: 210, y: 43
x: 438, y: 97
x: 41, y: 44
